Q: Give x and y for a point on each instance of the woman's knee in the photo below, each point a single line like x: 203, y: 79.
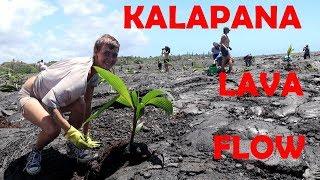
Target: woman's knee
x: 54, y: 132
x: 51, y: 129
x: 34, y: 112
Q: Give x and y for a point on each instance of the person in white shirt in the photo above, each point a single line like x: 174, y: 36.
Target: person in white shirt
x: 66, y: 86
x: 42, y: 66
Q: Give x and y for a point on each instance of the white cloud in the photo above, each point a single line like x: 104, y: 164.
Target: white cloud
x: 16, y: 18
x: 19, y: 14
x: 81, y: 7
x: 88, y: 30
x: 76, y: 38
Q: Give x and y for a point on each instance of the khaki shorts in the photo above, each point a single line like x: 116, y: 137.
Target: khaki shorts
x: 25, y: 94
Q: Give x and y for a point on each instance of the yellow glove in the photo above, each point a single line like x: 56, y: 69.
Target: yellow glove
x: 77, y: 138
x: 92, y: 144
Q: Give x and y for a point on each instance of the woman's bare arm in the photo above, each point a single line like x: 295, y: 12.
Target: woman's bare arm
x: 60, y: 120
x: 88, y: 99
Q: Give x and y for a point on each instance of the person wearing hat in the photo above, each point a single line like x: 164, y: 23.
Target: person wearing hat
x: 225, y: 47
x: 306, y: 51
x: 66, y: 86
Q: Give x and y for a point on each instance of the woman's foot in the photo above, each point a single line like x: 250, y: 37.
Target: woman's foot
x: 33, y: 165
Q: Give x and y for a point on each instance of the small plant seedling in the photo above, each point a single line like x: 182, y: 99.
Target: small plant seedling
x: 290, y: 50
x: 288, y: 58
x: 131, y: 99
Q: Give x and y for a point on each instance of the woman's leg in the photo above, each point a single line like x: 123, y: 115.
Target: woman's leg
x: 35, y: 113
x: 225, y: 61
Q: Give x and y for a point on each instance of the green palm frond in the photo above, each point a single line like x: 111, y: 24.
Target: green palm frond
x: 163, y: 103
x: 116, y: 83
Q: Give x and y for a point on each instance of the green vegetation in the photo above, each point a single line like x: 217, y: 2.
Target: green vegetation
x: 12, y: 75
x: 20, y: 67
x: 288, y: 58
x: 197, y: 67
x: 290, y: 50
x: 132, y: 100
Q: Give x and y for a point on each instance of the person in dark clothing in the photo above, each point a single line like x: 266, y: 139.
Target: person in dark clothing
x: 215, y: 50
x: 248, y: 60
x: 159, y: 65
x: 219, y: 59
x: 306, y: 51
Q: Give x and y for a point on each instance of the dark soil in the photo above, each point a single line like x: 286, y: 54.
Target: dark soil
x: 119, y: 156
x: 180, y: 146
x: 54, y: 166
x: 5, y: 124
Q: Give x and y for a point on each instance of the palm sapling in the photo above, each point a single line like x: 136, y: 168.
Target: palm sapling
x: 131, y: 99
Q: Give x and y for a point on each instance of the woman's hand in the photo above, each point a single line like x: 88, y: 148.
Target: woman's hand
x: 92, y: 143
x: 77, y: 138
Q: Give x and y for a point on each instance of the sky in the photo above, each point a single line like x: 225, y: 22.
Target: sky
x: 53, y: 30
